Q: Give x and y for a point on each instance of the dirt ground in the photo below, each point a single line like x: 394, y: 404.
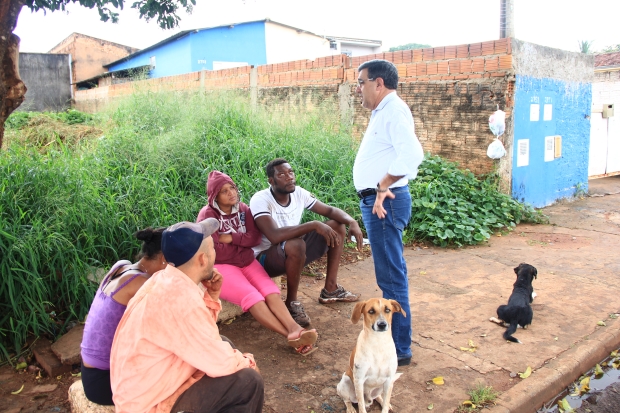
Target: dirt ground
x: 453, y: 292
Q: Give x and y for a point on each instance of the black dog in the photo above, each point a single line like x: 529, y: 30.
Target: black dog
x: 518, y: 312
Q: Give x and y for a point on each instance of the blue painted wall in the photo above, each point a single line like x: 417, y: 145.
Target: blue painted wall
x: 197, y: 51
x: 542, y: 183
x: 241, y: 43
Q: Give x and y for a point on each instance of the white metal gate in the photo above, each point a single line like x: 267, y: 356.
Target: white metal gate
x: 604, y: 146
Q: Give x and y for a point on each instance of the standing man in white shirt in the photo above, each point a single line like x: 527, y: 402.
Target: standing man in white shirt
x: 287, y: 245
x: 388, y: 158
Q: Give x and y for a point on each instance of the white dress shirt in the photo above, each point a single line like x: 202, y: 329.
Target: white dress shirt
x: 389, y: 146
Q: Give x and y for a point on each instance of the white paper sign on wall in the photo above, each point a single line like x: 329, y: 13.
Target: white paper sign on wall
x: 523, y: 152
x: 534, y: 112
x: 547, y: 111
x: 549, y: 148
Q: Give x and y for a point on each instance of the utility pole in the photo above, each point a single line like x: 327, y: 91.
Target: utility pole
x: 506, y: 19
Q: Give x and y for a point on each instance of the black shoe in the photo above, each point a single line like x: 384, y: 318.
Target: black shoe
x: 299, y: 315
x: 404, y: 361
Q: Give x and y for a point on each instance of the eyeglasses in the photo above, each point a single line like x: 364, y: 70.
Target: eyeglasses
x: 360, y: 82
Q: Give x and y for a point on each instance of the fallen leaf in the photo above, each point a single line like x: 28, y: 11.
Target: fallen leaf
x: 229, y: 321
x: 556, y: 339
x: 564, y: 406
x: 526, y: 373
x: 614, y: 353
x: 77, y: 374
x: 471, y: 344
x: 430, y: 407
x: 59, y: 377
x: 483, y: 335
x: 422, y: 272
x: 21, y: 366
x: 464, y: 348
x: 598, y: 371
x: 469, y: 404
x: 616, y: 364
x: 438, y: 380
x: 18, y: 391
x: 601, y: 323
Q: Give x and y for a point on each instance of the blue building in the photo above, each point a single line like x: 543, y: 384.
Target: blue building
x: 548, y: 156
x: 250, y: 43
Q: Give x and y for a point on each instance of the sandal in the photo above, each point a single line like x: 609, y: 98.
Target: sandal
x: 305, y: 338
x: 305, y: 350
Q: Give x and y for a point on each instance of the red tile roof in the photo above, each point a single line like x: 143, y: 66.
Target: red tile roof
x: 607, y: 59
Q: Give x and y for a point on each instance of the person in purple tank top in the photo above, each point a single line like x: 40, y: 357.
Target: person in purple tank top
x: 116, y: 289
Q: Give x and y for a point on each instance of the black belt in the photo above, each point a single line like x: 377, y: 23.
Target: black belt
x: 366, y: 192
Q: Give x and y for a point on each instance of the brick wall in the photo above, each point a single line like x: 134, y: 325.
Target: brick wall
x: 451, y: 91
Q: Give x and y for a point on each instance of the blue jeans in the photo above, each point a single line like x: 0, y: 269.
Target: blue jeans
x: 386, y: 241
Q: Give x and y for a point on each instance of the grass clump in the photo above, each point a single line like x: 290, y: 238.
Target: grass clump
x: 454, y: 207
x: 480, y: 397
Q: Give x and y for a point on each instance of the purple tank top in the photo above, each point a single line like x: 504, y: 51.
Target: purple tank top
x: 103, y: 318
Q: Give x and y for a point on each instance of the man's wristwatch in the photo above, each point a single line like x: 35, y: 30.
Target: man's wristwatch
x: 381, y: 190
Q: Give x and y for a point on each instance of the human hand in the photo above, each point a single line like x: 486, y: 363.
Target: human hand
x: 214, y: 284
x: 378, y: 207
x: 331, y: 236
x: 225, y: 238
x: 354, y: 230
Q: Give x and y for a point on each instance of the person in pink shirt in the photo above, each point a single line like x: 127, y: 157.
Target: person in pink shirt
x: 167, y: 354
x: 246, y: 282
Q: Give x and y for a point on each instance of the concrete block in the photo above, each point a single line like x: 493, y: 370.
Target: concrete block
x: 42, y: 351
x: 80, y: 404
x: 67, y: 347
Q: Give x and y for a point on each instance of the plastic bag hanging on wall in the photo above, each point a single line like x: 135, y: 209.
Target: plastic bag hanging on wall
x: 497, y: 124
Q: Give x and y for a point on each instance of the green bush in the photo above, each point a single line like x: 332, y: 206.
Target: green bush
x: 454, y: 207
x: 74, y: 208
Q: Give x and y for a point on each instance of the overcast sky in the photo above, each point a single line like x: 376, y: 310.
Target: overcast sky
x: 555, y: 23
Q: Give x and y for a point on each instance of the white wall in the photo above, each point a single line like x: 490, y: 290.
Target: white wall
x: 354, y: 50
x: 285, y: 44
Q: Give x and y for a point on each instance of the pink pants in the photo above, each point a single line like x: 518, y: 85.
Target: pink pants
x: 245, y: 286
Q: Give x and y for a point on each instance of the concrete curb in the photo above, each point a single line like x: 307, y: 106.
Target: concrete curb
x: 548, y: 381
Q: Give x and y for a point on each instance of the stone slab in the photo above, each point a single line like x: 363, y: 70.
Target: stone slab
x: 42, y: 351
x: 67, y: 348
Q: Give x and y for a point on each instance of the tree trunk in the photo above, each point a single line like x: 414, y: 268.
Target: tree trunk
x: 12, y: 89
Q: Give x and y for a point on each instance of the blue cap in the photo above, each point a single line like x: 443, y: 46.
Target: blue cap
x: 181, y: 241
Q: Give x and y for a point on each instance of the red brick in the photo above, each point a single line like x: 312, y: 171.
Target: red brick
x: 398, y: 57
x: 420, y: 69
x: 436, y: 77
x: 475, y: 76
x: 431, y: 68
x: 388, y: 56
x: 462, y: 51
x: 417, y: 55
x: 423, y: 79
x: 465, y: 66
x: 458, y: 77
x: 498, y: 74
x: 411, y: 70
x: 454, y: 66
x: 407, y: 56
x: 442, y: 67
x: 427, y: 54
x: 447, y: 78
x: 439, y: 53
x: 477, y: 65
x: 402, y: 70
x: 501, y: 46
x: 450, y: 52
x: 505, y: 62
x: 491, y: 63
x: 475, y: 49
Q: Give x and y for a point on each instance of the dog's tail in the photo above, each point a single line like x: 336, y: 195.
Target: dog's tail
x: 510, y: 331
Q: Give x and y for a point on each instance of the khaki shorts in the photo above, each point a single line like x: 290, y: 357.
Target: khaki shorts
x: 274, y: 257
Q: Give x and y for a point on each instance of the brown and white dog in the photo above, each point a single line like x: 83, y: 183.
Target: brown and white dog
x: 372, y: 366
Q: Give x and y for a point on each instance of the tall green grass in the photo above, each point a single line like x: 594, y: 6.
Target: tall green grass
x: 74, y: 207
x: 71, y: 209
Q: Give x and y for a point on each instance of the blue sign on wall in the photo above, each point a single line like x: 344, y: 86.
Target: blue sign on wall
x: 551, y: 139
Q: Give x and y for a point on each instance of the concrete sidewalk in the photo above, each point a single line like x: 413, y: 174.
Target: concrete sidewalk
x: 453, y: 294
